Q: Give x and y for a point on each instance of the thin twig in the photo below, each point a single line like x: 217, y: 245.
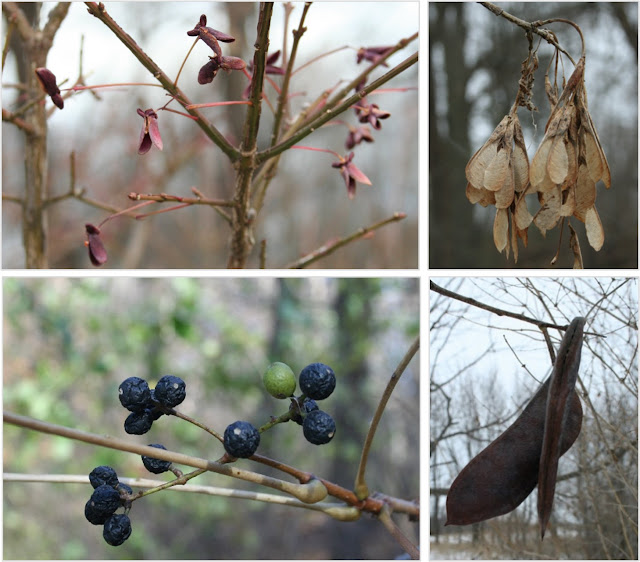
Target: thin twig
x: 360, y: 487
x: 17, y: 121
x: 283, y: 97
x: 12, y: 199
x: 410, y: 548
x: 335, y: 510
x: 498, y: 311
x: 309, y: 492
x: 533, y: 27
x: 164, y: 197
x: 332, y: 246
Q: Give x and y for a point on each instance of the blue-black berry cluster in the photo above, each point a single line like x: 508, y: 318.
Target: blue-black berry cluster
x: 146, y: 404
x: 109, y: 495
x: 317, y: 382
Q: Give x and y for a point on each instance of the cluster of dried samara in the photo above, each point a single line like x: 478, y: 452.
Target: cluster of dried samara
x: 563, y: 172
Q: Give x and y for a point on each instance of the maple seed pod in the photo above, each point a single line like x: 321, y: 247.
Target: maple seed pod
x: 595, y: 232
x: 501, y: 229
x: 501, y: 476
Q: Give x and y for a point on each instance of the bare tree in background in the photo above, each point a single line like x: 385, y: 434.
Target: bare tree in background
x: 595, y: 511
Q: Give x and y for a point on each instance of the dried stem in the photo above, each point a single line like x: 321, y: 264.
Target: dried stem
x: 360, y: 486
x: 335, y: 510
x: 385, y: 518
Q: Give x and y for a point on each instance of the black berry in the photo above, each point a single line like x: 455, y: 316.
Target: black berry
x: 117, y: 529
x: 156, y: 466
x: 95, y: 516
x: 103, y: 503
x: 170, y: 391
x: 101, y: 475
x: 318, y: 427
x: 317, y: 381
x: 138, y: 423
x: 241, y: 439
x: 134, y: 394
x: 124, y: 488
x: 307, y: 406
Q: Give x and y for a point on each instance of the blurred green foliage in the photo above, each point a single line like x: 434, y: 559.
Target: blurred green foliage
x: 68, y: 343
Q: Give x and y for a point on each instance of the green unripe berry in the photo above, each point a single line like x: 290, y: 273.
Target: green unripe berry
x: 279, y: 380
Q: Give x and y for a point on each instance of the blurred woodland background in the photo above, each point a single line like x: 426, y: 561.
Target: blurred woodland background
x: 475, y: 61
x: 307, y: 203
x: 484, y: 369
x: 69, y: 343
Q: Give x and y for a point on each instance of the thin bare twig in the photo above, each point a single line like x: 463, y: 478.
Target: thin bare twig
x: 336, y: 510
x: 360, y: 487
x: 531, y: 27
x: 396, y: 533
x: 332, y: 246
x: 17, y: 121
x: 309, y: 492
x: 498, y: 311
x: 164, y: 197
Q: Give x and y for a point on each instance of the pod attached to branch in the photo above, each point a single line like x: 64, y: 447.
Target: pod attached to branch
x: 558, y: 412
x: 501, y: 476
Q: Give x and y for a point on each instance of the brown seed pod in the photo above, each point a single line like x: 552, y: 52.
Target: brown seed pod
x: 556, y: 425
x: 501, y: 476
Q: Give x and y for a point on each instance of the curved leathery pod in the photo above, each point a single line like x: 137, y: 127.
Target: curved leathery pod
x: 558, y: 412
x: 501, y: 476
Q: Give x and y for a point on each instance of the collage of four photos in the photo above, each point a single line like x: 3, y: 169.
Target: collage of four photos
x: 173, y: 390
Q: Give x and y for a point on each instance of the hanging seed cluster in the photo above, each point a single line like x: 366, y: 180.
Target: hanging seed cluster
x: 563, y: 173
x: 569, y: 163
x: 498, y: 174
